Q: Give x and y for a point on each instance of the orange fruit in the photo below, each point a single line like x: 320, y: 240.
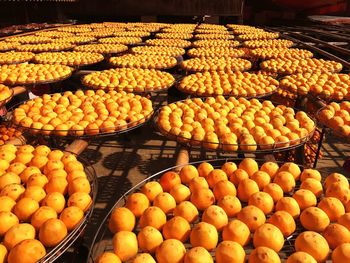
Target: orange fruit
x: 17, y: 168
x: 168, y: 180
x: 261, y: 178
x: 305, y: 198
x: 25, y: 208
x: 37, y: 180
x: 263, y: 255
x: 198, y: 255
x: 39, y: 161
x: 290, y: 205
x: 153, y: 216
x: 270, y: 168
x: 14, y: 191
x: 180, y: 193
x: 30, y: 250
x: 143, y: 258
x: 291, y: 168
x: 9, y: 178
x: 187, y: 173
x: 7, y: 220
x: 53, y: 165
x: 55, y: 201
x: 204, y: 235
x: 332, y: 207
x: 284, y: 221
x: 313, y: 185
x: 229, y: 168
x: 108, y: 257
x: 341, y: 253
x: 300, y: 257
x: 237, y: 176
x: 285, y: 180
x: 149, y: 238
x: 223, y: 188
x: 137, y: 203
x: 274, y: 190
x: 335, y: 178
x: 3, y: 253
x: 249, y: 165
x: 81, y: 200
x: 198, y: 183
x: 35, y: 192
x: 252, y: 216
x: 336, y: 234
x: 151, y: 190
x: 268, y: 235
x: 18, y: 233
x: 203, y: 198
x: 263, y: 201
x: 186, y: 210
x: 73, y: 166
x: 340, y: 191
x: 70, y: 177
x: 42, y: 150
x: 171, y: 250
x: 246, y: 189
x: 229, y: 251
x: 177, y: 228
x: 236, y: 231
x: 125, y: 245
x: 71, y: 217
x: 79, y: 184
x: 7, y: 204
x: 165, y: 201
x: 314, y: 244
x: 216, y: 176
x: 122, y: 219
x: 60, y: 185
x: 204, y: 169
x: 345, y: 220
x: 310, y: 173
x: 230, y: 204
x: 52, y: 232
x: 41, y: 215
x: 314, y: 219
x: 216, y: 216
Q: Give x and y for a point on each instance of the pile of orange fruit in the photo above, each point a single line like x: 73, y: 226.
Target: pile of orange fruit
x: 83, y: 113
x: 13, y: 57
x: 215, y: 43
x: 30, y: 39
x: 204, y: 213
x: 74, y: 29
x: 331, y: 86
x: 159, y: 50
x: 74, y: 40
x: 258, y: 36
x: 216, y: 64
x: 214, y: 36
x: 276, y: 43
x: 212, y: 31
x: 174, y: 35
x: 211, y: 27
x: 131, y: 34
x: 234, y: 124
x: 272, y: 52
x: 336, y: 116
x: 129, y: 79
x: 45, y: 47
x: 74, y: 58
x: 97, y: 34
x: 102, y: 48
x: 169, y: 42
x: 216, y: 51
x: 143, y: 61
x: 17, y: 74
x: 54, y: 34
x: 8, y: 133
x: 5, y: 93
x: 44, y: 195
x: 237, y: 84
x: 121, y: 40
x: 291, y: 66
x: 6, y: 46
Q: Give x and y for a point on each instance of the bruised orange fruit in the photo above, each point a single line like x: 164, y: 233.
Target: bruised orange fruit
x: 252, y: 216
x: 198, y: 255
x: 149, y: 238
x: 29, y: 250
x: 187, y: 211
x: 236, y: 231
x: 290, y: 205
x: 332, y: 207
x: 263, y: 201
x: 168, y: 180
x: 171, y: 250
x: 305, y: 198
x: 268, y: 235
x: 137, y: 203
x: 151, y: 190
x: 263, y: 255
x: 284, y: 221
x: 203, y: 198
x: 314, y: 244
x: 165, y: 201
x: 204, y: 235
x: 187, y: 173
x: 153, y: 216
x: 246, y: 189
x: 274, y: 190
x: 177, y: 228
x: 230, y: 204
x: 229, y: 251
x: 314, y: 219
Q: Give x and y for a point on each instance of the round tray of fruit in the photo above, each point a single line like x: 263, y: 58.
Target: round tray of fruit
x: 82, y: 114
x: 214, y: 36
x: 102, y: 48
x: 327, y: 86
x: 33, y: 74
x: 37, y: 48
x: 258, y: 36
x: 70, y: 58
x: 235, y: 84
x: 215, y: 43
x: 121, y: 40
x: 46, y: 201
x: 287, y: 53
x: 234, y: 125
x: 143, y: 61
x: 169, y: 42
x: 159, y: 50
x: 174, y: 35
x: 276, y: 43
x: 7, y: 46
x: 229, y: 211
x: 14, y: 57
x: 336, y: 117
x: 202, y: 64
x: 29, y: 39
x: 216, y: 52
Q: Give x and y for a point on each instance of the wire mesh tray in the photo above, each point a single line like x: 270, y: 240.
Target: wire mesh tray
x: 102, y: 241
x: 54, y: 253
x: 233, y: 148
